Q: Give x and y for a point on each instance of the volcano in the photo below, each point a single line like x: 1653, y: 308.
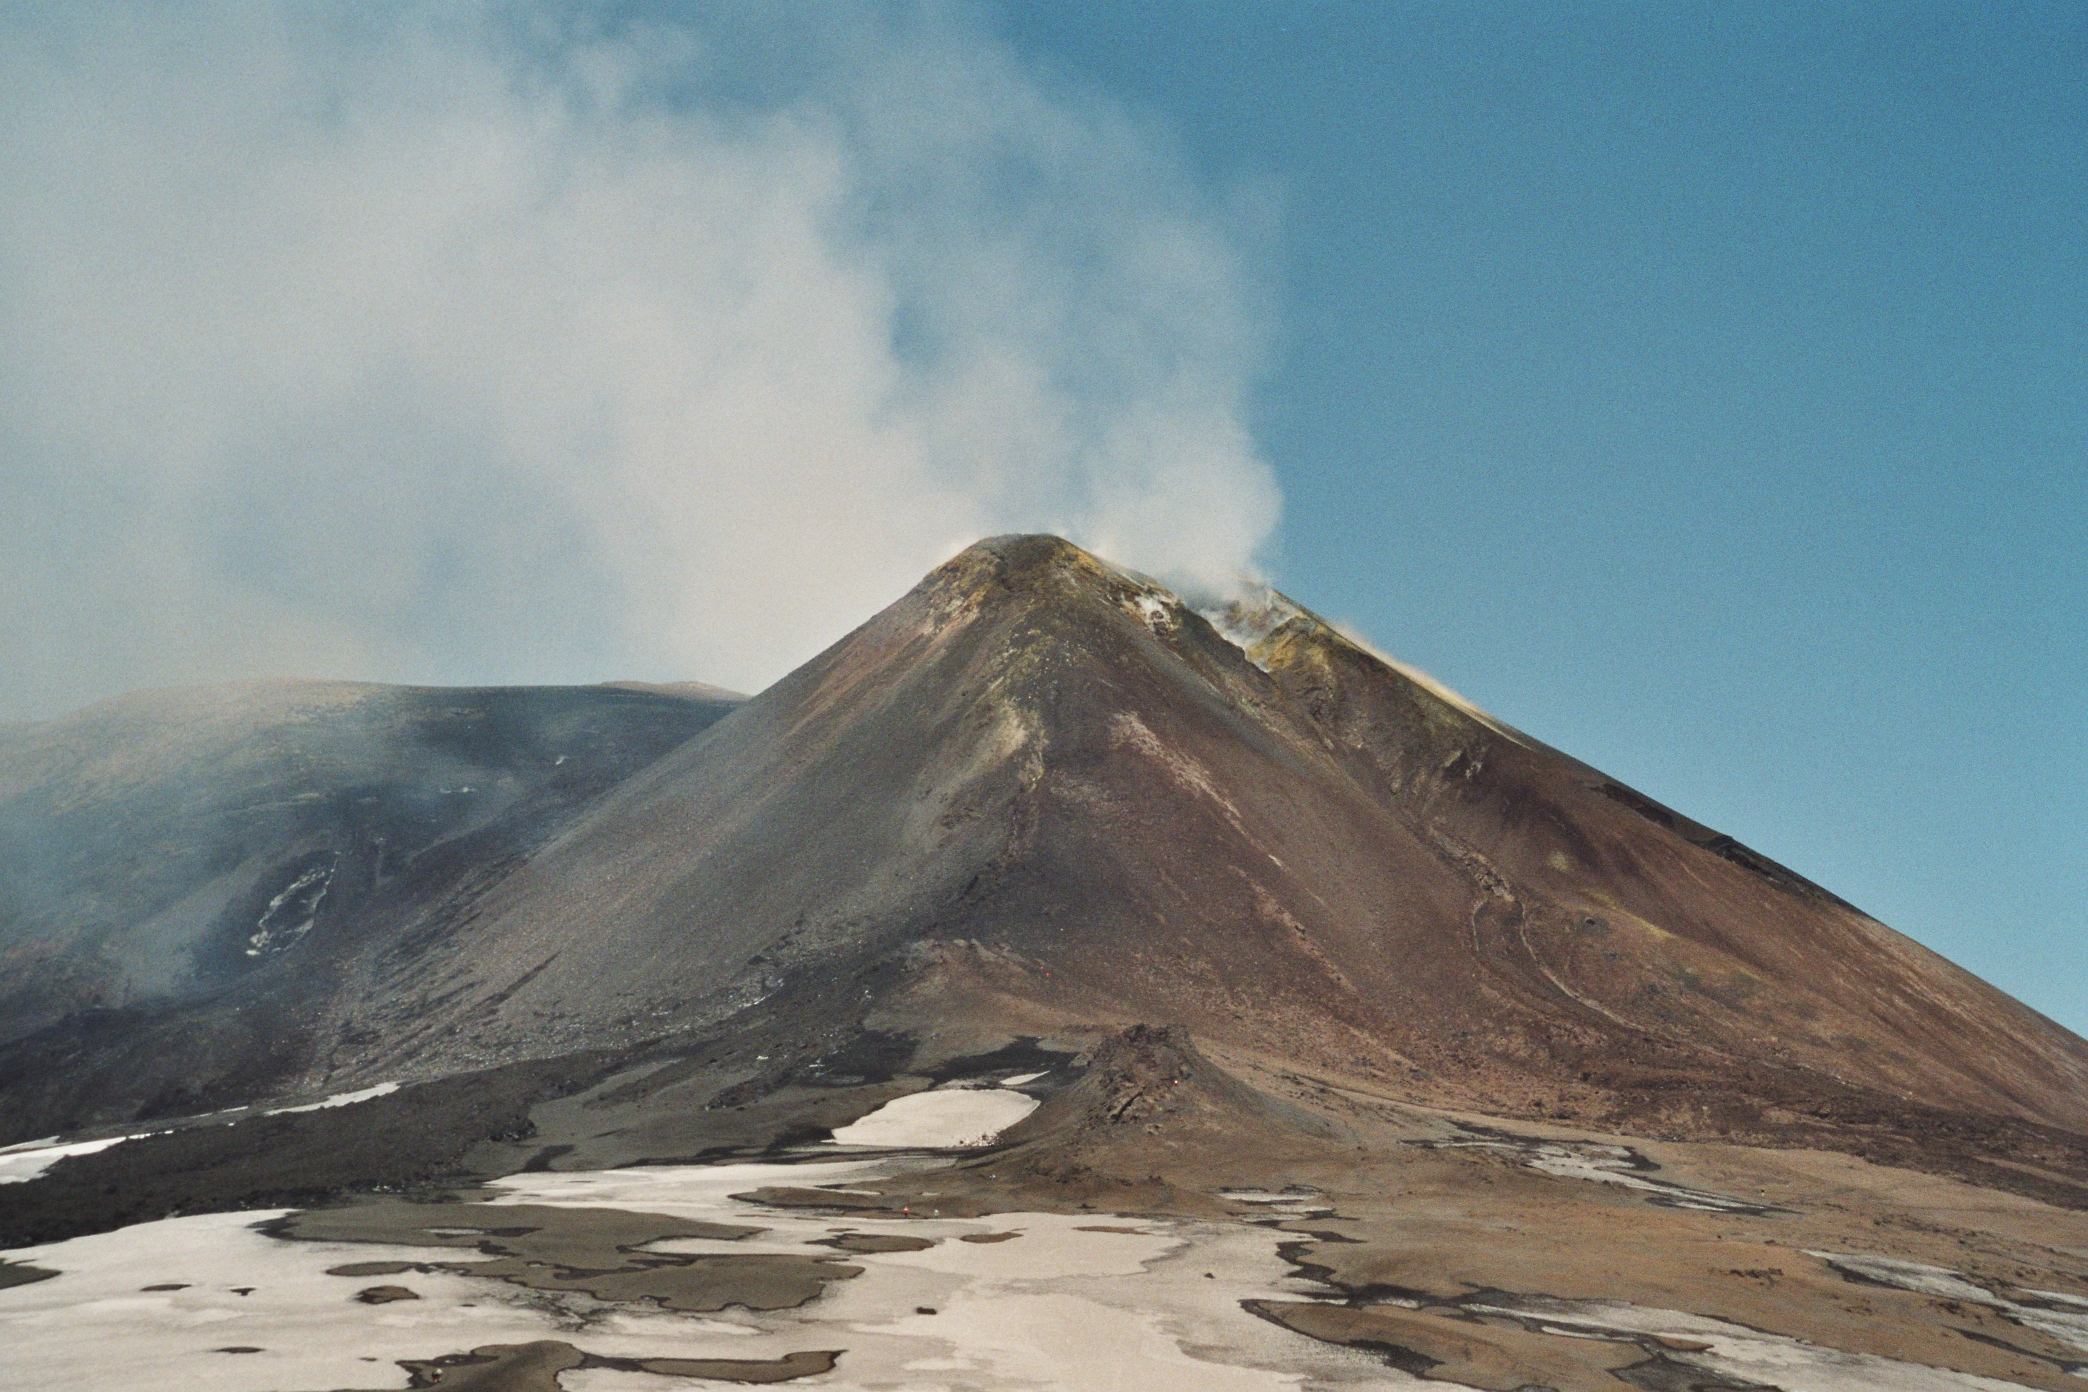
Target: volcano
x: 1209, y: 920
x: 1037, y: 793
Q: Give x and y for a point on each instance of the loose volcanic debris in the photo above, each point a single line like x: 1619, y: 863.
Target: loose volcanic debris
x: 1422, y: 1342
x: 385, y: 1295
x: 869, y: 1243
x: 22, y: 1273
x: 534, y: 1367
x: 598, y: 1251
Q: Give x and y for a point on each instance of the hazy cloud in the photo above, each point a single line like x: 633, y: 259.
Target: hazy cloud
x: 413, y: 343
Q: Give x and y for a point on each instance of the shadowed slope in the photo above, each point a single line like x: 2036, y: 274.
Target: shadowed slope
x: 182, y: 872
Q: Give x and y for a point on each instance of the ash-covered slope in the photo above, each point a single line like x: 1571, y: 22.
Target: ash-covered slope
x: 183, y: 871
x: 1040, y: 789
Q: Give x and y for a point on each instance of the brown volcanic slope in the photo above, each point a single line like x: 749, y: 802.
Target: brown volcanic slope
x: 1038, y: 791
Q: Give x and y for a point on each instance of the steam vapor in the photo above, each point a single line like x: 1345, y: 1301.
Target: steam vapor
x: 445, y: 344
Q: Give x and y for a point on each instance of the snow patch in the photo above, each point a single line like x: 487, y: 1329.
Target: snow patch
x: 28, y: 1145
x: 944, y: 1119
x: 339, y: 1099
x: 1597, y: 1162
x: 292, y: 912
x: 1293, y: 1203
x: 1589, y: 1163
x: 29, y: 1159
x: 2063, y: 1317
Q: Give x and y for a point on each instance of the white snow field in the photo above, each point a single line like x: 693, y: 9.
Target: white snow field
x: 1084, y: 1304
x: 95, y: 1327
x: 29, y: 1159
x: 1031, y: 1301
x: 945, y: 1118
x: 339, y: 1099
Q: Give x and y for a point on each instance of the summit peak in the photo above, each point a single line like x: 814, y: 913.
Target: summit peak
x: 1019, y: 560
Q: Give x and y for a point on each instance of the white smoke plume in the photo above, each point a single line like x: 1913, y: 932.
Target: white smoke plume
x: 463, y: 345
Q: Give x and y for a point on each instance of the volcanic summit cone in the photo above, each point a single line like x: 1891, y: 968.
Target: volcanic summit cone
x: 1040, y: 793
x: 1088, y: 803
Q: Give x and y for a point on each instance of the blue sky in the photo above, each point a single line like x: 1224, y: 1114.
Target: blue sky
x: 1703, y: 388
